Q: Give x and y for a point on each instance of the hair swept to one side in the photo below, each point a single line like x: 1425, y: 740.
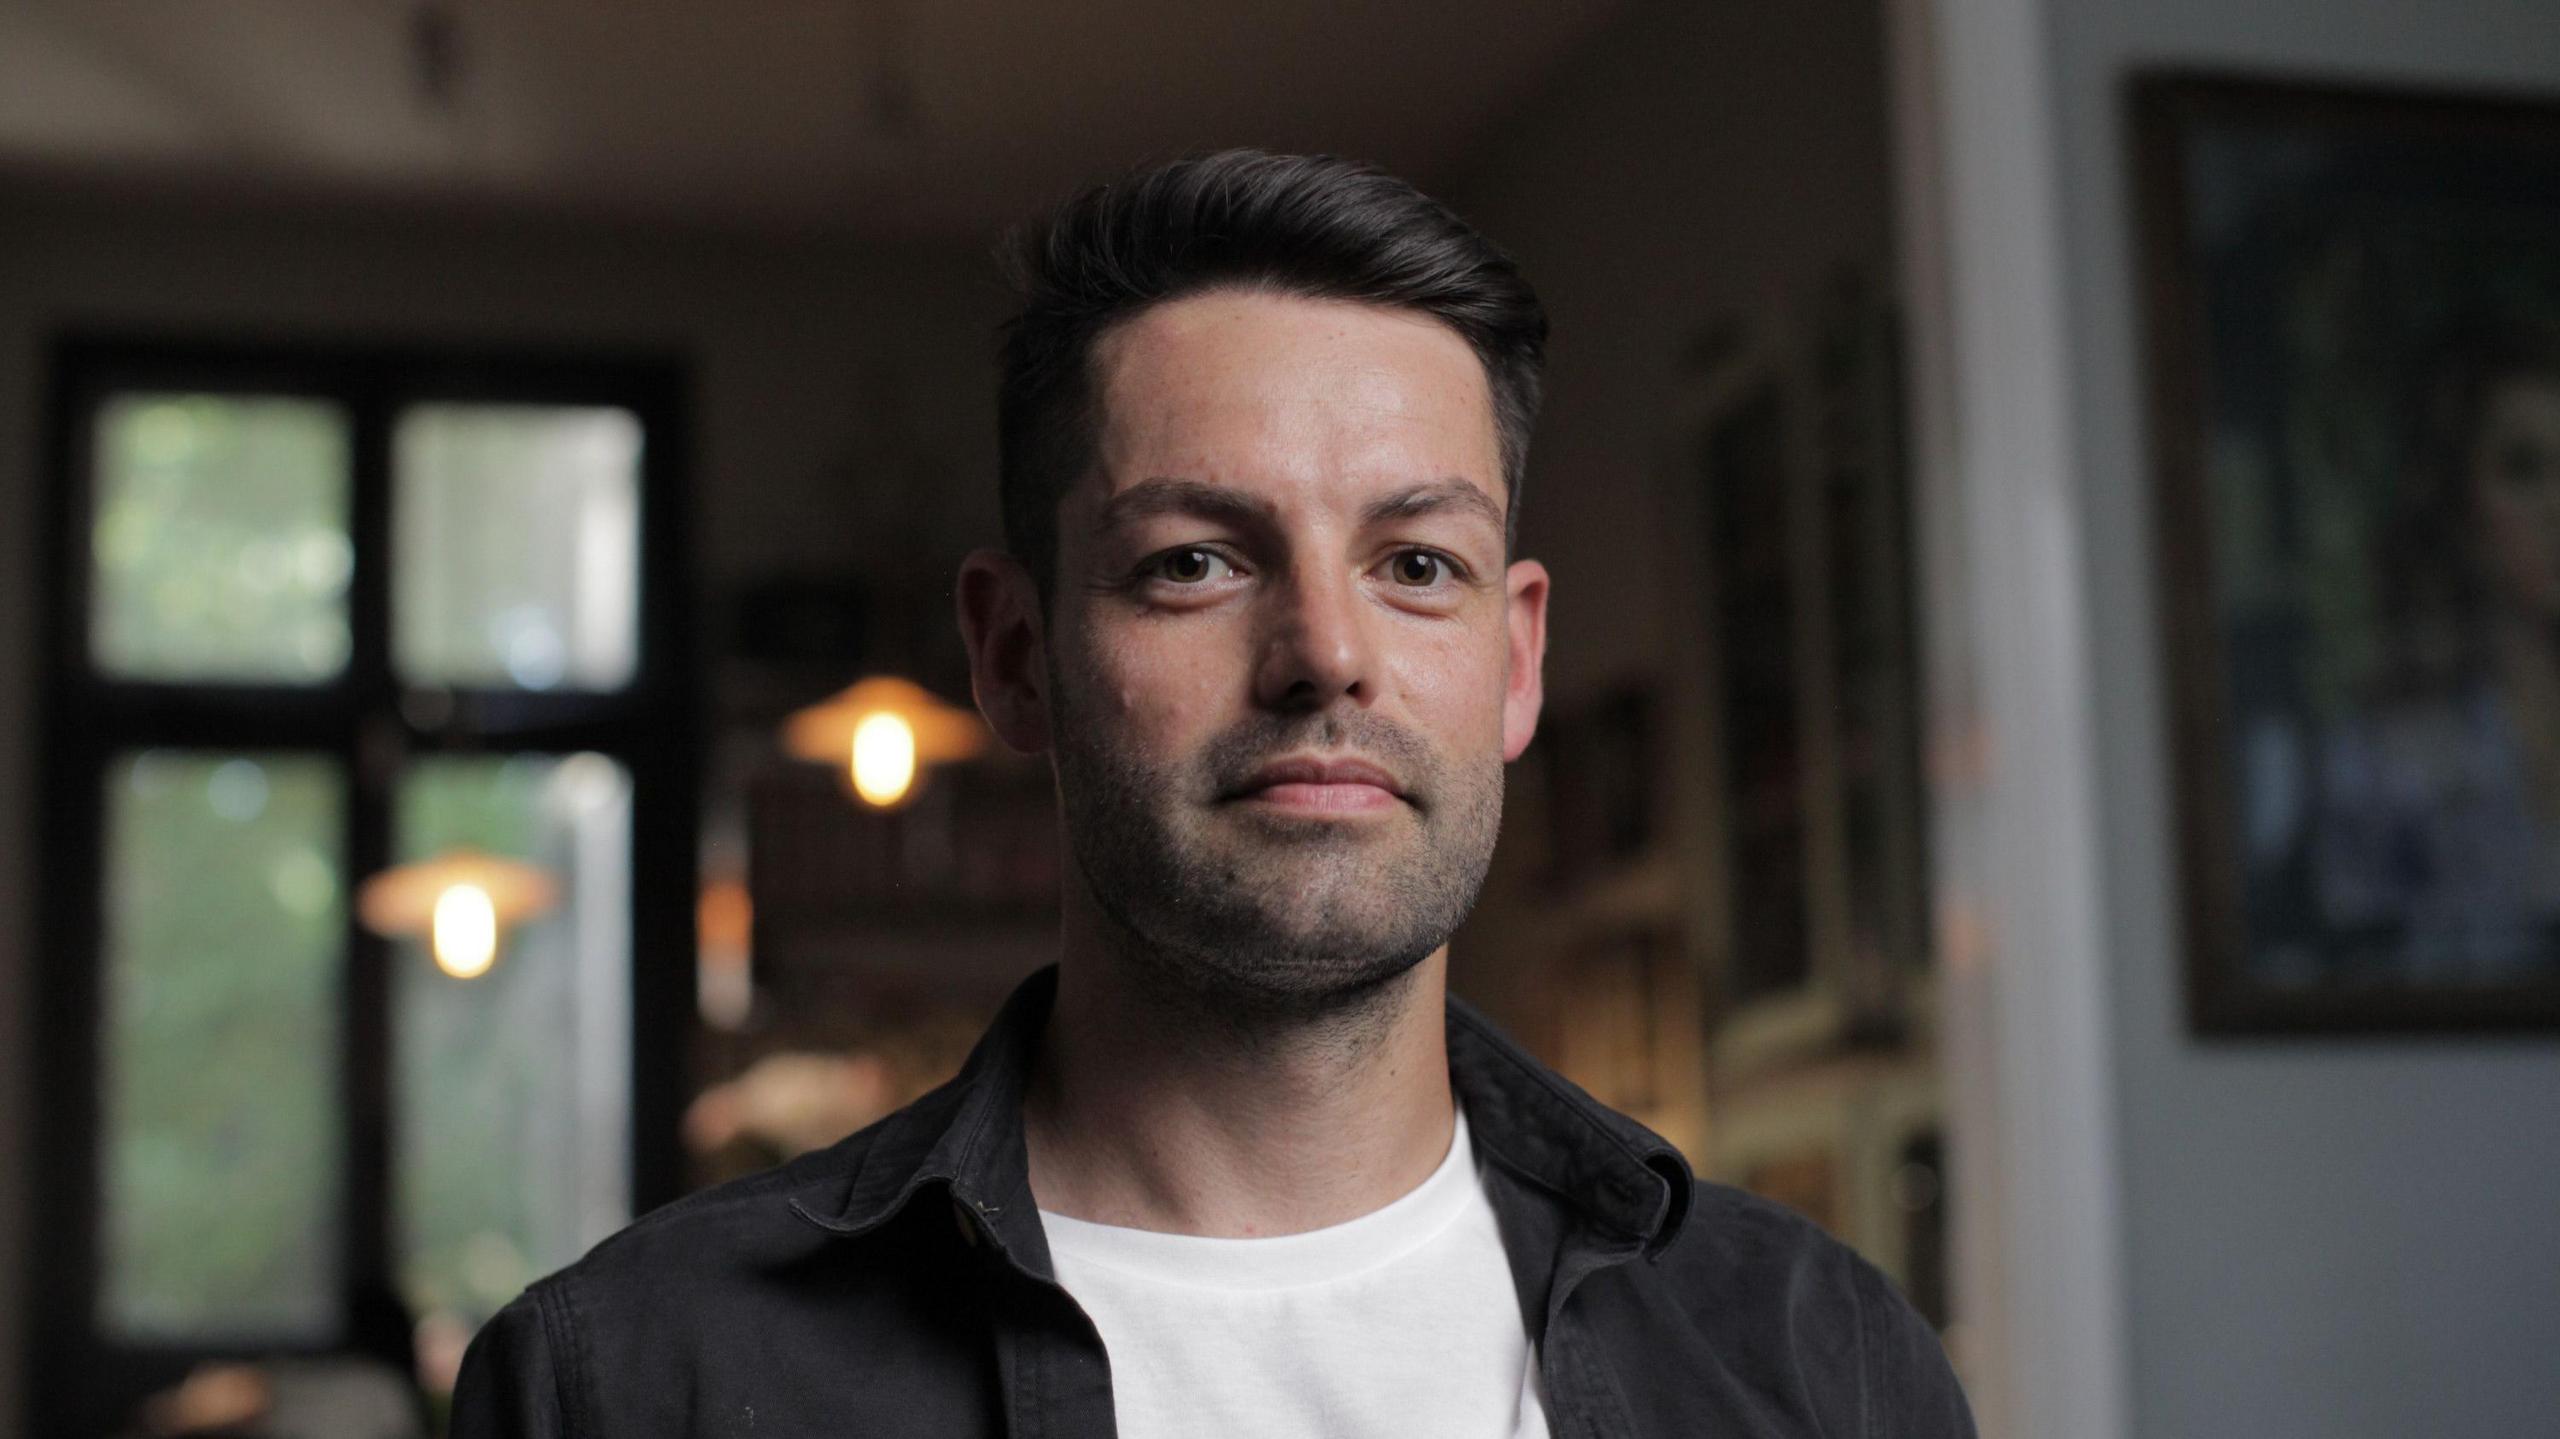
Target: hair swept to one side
x: 1318, y: 226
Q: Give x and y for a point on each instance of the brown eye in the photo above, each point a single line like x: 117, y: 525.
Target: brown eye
x: 1189, y: 567
x: 1418, y: 568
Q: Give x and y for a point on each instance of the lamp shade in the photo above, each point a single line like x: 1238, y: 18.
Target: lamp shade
x: 885, y: 732
x: 400, y: 902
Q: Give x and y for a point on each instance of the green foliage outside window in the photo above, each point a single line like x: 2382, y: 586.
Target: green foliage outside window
x: 224, y: 923
x: 220, y: 539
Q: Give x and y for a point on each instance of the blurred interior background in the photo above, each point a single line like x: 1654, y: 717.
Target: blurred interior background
x: 485, y: 751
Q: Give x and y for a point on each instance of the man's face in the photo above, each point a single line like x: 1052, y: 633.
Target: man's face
x: 2515, y: 478
x: 1287, y: 656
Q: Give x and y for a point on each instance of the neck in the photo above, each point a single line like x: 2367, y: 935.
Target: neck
x: 1158, y: 1111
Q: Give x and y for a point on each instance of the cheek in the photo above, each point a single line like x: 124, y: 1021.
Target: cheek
x: 1157, y: 687
x: 1454, y: 681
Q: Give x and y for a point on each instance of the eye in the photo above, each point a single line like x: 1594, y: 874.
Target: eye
x: 1420, y: 569
x: 1189, y: 566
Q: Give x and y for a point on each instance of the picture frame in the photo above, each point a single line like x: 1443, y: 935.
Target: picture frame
x: 2351, y: 299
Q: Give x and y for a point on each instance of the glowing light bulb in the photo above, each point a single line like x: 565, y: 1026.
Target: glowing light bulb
x: 884, y: 759
x: 466, y: 931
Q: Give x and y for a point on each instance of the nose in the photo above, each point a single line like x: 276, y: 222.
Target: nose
x: 1315, y: 643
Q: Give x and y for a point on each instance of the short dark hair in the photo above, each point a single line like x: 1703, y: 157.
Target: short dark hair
x: 1316, y: 226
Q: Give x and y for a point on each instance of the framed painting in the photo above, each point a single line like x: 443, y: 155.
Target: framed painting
x: 2354, y: 313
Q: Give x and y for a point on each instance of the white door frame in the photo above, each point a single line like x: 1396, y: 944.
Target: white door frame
x: 2016, y: 845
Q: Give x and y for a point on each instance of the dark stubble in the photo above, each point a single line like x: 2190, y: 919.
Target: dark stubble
x: 1260, y: 919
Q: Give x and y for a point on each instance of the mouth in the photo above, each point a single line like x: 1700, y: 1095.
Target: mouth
x: 1314, y: 786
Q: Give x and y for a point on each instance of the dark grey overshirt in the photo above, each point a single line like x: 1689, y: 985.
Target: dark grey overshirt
x: 898, y: 1283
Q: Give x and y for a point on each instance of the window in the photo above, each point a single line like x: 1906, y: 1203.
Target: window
x: 323, y: 613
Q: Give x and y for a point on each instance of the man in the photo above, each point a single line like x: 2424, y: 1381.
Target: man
x: 1236, y: 1165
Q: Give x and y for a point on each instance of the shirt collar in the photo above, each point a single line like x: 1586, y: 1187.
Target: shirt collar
x: 966, y: 1138
x: 1617, y: 1173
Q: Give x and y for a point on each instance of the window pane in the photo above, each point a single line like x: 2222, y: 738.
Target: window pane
x: 220, y: 539
x: 223, y: 941
x: 516, y: 540
x: 513, y: 1087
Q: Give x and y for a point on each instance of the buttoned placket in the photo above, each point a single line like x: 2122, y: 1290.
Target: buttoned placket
x: 1583, y: 1398
x: 1050, y: 1360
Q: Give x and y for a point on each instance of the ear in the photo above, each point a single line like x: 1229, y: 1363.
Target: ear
x: 1000, y: 620
x: 1524, y: 689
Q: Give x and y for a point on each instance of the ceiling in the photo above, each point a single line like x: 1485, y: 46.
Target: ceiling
x: 895, y: 118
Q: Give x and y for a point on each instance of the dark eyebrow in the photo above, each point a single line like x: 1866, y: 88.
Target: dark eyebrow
x: 1415, y: 501
x: 1167, y: 496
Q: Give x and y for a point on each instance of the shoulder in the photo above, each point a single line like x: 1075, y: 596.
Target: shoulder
x: 705, y: 1242
x: 1739, y: 1253
x: 749, y: 1224
x: 1772, y: 1288
x: 653, y: 1296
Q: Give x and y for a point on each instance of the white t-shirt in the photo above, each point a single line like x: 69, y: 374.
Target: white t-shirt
x: 1401, y: 1322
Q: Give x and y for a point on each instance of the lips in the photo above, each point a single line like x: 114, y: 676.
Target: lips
x: 1317, y: 772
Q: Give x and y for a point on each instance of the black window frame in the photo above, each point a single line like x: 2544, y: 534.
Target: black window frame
x: 83, y: 1381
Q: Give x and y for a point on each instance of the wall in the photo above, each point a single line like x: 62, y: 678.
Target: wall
x: 842, y: 411
x: 2320, y: 1237
x: 1691, y: 165
x: 1688, y: 171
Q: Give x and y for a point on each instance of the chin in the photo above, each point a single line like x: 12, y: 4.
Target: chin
x: 1302, y: 974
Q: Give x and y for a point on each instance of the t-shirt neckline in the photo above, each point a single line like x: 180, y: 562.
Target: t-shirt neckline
x: 1285, y: 1261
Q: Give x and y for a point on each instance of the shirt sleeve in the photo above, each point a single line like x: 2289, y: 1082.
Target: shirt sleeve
x: 1912, y: 1391
x: 509, y: 1387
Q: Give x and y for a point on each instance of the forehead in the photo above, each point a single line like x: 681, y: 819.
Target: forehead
x: 1282, y: 392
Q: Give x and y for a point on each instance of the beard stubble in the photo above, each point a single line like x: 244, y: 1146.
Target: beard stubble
x: 1257, y: 920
